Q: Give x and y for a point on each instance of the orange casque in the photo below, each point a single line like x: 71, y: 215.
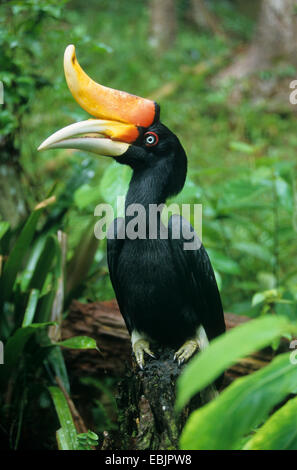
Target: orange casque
x: 106, y: 103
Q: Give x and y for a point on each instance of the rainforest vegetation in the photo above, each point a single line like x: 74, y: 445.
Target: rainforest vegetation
x: 223, y: 73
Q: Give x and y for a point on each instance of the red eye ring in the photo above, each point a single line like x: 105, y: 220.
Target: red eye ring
x: 151, y: 139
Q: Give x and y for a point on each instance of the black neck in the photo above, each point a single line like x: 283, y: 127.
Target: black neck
x: 154, y: 184
x: 146, y: 187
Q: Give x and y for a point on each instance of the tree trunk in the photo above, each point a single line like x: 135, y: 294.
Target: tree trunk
x: 146, y: 402
x: 202, y: 17
x: 274, y: 40
x: 163, y: 24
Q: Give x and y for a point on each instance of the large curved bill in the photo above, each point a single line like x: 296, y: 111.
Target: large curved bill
x: 103, y: 102
x: 115, y: 130
x: 90, y: 136
x: 105, y: 147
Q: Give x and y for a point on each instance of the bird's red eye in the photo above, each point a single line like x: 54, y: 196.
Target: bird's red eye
x: 150, y: 139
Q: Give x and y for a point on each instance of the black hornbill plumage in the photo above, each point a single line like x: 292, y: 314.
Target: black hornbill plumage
x: 165, y: 293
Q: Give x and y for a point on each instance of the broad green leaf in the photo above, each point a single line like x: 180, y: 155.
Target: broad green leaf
x: 31, y: 307
x: 241, y: 194
x: 242, y: 147
x: 56, y: 362
x: 15, y: 259
x: 44, y: 263
x: 43, y: 312
x: 222, y: 263
x: 114, y: 183
x: 227, y: 350
x: 245, y: 404
x: 67, y: 438
x: 190, y: 193
x: 62, y: 440
x: 279, y: 432
x: 28, y: 271
x: 86, y: 195
x: 265, y: 279
x: 256, y: 250
x: 78, y: 342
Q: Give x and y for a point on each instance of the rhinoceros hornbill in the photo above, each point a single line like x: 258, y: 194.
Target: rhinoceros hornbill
x: 166, y: 293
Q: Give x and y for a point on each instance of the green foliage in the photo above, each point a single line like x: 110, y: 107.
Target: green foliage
x: 240, y: 164
x: 240, y: 408
x: 279, y: 431
x: 227, y: 421
x: 31, y: 358
x: 67, y: 436
x: 18, y: 252
x: 79, y: 342
x: 21, y: 28
x: 226, y: 350
x: 242, y: 168
x: 87, y: 440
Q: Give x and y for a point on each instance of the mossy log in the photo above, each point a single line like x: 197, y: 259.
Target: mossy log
x: 147, y: 419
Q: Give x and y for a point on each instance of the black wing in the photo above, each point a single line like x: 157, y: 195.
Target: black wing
x: 115, y: 243
x: 193, y: 263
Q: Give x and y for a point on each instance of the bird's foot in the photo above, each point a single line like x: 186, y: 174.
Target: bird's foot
x: 186, y: 351
x: 139, y: 348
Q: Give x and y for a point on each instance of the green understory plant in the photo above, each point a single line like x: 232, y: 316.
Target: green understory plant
x: 31, y: 306
x: 243, y: 416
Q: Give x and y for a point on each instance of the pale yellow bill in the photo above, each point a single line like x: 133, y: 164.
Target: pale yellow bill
x: 93, y: 135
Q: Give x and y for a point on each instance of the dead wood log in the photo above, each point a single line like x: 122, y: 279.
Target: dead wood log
x: 103, y: 322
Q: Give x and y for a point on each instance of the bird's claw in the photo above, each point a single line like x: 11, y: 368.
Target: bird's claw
x: 186, y: 351
x: 139, y: 348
